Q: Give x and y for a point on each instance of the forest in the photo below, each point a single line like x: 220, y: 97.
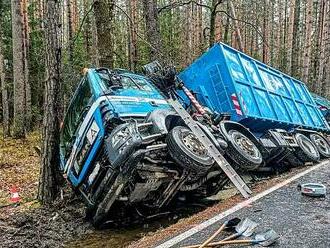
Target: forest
x: 291, y: 35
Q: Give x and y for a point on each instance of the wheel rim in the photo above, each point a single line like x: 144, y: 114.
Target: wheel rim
x: 245, y: 144
x: 193, y: 144
x: 308, y: 146
x: 321, y: 144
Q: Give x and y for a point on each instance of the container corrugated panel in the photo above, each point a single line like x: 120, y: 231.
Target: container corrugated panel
x: 256, y: 95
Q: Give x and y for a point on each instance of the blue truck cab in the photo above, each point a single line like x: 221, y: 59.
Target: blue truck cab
x: 94, y: 101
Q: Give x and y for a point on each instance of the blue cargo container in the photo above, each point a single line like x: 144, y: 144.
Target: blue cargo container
x: 258, y: 96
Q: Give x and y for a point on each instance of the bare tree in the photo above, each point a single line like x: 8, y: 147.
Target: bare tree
x: 48, y: 184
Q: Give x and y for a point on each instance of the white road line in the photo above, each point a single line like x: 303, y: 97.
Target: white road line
x: 237, y: 207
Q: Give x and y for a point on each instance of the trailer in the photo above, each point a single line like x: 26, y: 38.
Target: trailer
x: 277, y: 108
x: 323, y: 105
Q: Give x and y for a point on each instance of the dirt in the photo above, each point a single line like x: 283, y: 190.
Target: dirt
x: 48, y: 226
x: 19, y: 167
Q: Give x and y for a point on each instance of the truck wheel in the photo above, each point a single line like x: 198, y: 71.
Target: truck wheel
x: 243, y: 151
x: 322, y: 145
x: 307, y: 151
x: 188, y: 151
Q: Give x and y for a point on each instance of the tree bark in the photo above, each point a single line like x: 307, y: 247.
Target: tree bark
x: 133, y: 24
x: 308, y: 39
x: 26, y: 45
x: 324, y: 76
x: 152, y: 29
x: 237, y: 28
x: 49, y: 179
x: 295, y: 41
x: 103, y: 11
x: 265, y: 48
x: 290, y: 34
x: 19, y: 67
x: 3, y: 85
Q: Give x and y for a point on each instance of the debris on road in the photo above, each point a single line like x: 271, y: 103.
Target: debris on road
x: 312, y: 189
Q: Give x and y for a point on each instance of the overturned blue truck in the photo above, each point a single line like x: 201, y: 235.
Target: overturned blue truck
x: 132, y: 145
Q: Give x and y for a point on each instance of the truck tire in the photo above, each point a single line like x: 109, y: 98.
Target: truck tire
x: 322, y: 145
x: 243, y: 151
x: 188, y: 151
x: 307, y: 151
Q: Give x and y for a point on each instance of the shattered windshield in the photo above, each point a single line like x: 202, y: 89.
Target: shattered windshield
x: 122, y: 81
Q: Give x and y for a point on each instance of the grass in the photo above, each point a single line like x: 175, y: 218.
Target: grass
x: 19, y: 167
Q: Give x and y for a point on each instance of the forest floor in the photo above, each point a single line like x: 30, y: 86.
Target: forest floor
x: 27, y: 224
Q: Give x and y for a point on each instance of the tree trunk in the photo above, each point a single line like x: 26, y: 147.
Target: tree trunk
x: 133, y: 24
x: 95, y: 54
x: 103, y: 10
x: 187, y: 36
x: 19, y: 67
x: 28, y: 105
x: 237, y: 29
x: 226, y: 32
x: 200, y: 28
x: 152, y: 29
x: 3, y: 86
x: 265, y: 48
x: 49, y: 179
x: 308, y: 39
x: 325, y: 60
x: 70, y: 18
x: 87, y: 30
x: 295, y: 41
x: 318, y: 45
x: 290, y: 34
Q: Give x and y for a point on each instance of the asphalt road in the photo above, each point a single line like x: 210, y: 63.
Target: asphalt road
x: 301, y: 221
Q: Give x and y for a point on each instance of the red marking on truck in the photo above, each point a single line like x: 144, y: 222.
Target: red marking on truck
x: 236, y: 104
x: 193, y: 100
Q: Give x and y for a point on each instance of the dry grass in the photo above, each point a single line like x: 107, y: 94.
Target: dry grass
x: 19, y: 167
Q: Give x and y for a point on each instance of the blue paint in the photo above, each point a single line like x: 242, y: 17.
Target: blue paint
x: 267, y: 97
x: 141, y: 106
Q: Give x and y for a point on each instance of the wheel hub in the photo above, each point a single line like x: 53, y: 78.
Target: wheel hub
x: 194, y: 145
x: 245, y: 143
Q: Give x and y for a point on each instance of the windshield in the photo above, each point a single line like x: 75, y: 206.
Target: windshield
x: 126, y: 81
x: 75, y: 113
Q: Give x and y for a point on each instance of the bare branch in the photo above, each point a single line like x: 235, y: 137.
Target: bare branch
x: 245, y: 22
x: 180, y: 3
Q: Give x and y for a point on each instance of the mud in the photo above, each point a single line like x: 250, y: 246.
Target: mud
x: 46, y: 226
x: 64, y: 225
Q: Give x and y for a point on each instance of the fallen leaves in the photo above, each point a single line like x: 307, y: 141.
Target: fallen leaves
x: 19, y: 167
